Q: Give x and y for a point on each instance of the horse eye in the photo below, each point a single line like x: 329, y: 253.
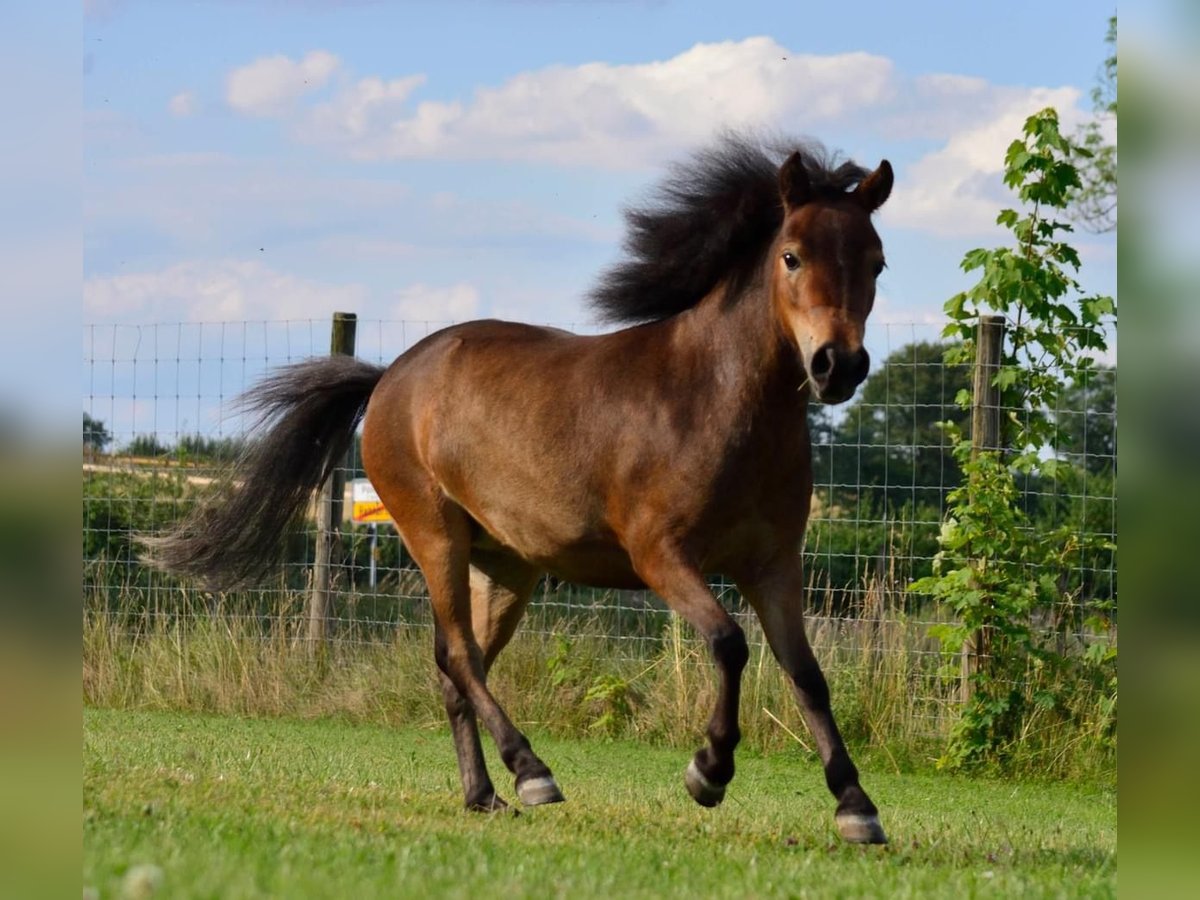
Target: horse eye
x: 791, y: 261
x: 879, y: 267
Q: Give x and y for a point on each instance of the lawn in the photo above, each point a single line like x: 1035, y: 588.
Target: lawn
x: 229, y: 807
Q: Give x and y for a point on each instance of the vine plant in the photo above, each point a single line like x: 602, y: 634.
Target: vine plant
x: 1007, y: 583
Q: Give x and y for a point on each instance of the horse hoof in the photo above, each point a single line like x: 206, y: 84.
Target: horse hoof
x: 537, y: 791
x: 702, y: 790
x: 860, y: 828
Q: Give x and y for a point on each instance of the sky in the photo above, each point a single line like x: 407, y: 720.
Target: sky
x: 269, y: 162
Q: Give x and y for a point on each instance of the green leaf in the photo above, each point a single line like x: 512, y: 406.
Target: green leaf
x: 974, y: 259
x: 1006, y: 377
x: 1099, y: 306
x: 1045, y: 700
x: 954, y: 306
x: 949, y: 636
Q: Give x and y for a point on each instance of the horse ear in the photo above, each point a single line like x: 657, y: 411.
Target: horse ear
x: 873, y: 190
x: 794, y: 186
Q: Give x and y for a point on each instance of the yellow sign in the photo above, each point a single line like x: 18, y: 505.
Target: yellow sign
x: 365, y: 505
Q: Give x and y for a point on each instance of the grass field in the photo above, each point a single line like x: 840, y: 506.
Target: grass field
x: 232, y: 807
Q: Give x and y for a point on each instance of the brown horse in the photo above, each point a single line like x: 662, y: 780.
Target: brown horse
x: 649, y: 456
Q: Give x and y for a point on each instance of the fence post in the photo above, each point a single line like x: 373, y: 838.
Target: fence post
x: 986, y: 415
x: 329, y: 506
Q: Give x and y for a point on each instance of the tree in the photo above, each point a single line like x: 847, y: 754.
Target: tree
x: 1094, y: 202
x: 198, y: 448
x: 95, y: 435
x: 146, y: 445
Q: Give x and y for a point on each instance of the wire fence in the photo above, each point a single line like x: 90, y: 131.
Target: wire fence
x: 159, y: 427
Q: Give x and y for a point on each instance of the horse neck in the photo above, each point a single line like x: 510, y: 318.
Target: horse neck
x: 741, y: 346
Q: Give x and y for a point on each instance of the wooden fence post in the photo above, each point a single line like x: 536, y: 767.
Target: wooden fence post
x: 329, y: 506
x: 986, y: 413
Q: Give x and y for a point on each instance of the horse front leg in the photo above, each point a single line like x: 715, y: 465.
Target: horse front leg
x: 712, y: 767
x: 684, y: 590
x: 778, y: 598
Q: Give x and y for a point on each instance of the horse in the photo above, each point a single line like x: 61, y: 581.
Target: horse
x: 646, y: 457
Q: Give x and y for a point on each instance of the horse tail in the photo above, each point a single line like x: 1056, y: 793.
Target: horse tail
x: 310, y: 411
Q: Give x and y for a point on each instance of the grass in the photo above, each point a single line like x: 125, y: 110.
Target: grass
x: 242, y: 807
x: 568, y: 676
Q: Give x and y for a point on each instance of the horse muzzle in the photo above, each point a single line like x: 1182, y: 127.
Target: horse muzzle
x: 834, y: 372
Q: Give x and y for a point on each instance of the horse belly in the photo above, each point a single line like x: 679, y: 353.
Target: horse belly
x: 595, y: 564
x: 558, y: 535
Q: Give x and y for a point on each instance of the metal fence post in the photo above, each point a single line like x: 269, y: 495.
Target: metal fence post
x: 329, y: 506
x: 986, y: 415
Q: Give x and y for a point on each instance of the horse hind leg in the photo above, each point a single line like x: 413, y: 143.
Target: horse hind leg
x: 501, y: 586
x: 440, y: 542
x: 479, y: 794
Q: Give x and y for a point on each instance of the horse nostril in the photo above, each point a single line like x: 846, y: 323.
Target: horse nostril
x: 823, y: 363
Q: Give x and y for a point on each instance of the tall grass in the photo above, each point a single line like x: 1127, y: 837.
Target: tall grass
x: 564, y: 673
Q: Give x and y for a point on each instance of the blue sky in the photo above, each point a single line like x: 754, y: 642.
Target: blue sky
x: 438, y: 161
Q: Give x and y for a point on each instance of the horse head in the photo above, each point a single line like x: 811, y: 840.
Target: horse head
x: 823, y: 268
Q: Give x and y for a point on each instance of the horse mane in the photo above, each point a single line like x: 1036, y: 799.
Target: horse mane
x: 710, y: 219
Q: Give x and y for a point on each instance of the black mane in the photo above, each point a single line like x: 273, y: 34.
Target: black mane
x: 710, y: 219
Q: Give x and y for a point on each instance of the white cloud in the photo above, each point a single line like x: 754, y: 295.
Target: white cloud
x: 182, y: 104
x: 610, y: 117
x: 639, y: 115
x: 214, y: 291
x: 603, y: 115
x: 957, y: 189
x: 422, y: 303
x: 269, y: 86
x: 358, y: 109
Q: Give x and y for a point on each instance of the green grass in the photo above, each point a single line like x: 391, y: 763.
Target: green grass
x: 892, y: 694
x: 236, y: 807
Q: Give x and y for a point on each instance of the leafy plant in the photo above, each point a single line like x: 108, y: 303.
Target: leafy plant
x: 1003, y: 578
x: 612, y: 699
x: 608, y: 697
x: 560, y: 665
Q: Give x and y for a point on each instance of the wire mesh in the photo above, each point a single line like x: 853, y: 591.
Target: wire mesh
x: 158, y: 430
